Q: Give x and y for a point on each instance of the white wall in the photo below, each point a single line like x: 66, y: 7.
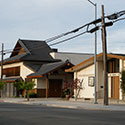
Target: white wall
x: 24, y: 71
x: 41, y: 83
x: 86, y: 91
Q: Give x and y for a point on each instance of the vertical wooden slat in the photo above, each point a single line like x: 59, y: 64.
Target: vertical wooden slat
x: 115, y: 87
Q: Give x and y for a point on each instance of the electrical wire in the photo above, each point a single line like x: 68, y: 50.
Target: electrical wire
x: 119, y: 20
x: 118, y: 14
x: 67, y: 33
x: 62, y: 41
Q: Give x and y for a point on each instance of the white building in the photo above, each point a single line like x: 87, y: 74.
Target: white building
x: 85, y: 71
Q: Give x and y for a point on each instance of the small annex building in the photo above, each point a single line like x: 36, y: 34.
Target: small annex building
x: 85, y: 71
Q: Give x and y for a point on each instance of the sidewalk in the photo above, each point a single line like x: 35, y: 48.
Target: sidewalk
x: 58, y: 102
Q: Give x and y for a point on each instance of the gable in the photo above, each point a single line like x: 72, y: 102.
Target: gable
x: 31, y: 50
x: 18, y: 50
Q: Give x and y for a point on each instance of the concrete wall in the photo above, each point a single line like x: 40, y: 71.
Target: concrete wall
x: 86, y: 91
x: 100, y: 80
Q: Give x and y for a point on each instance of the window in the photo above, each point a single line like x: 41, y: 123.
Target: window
x: 91, y: 81
x: 113, y: 66
x: 15, y: 71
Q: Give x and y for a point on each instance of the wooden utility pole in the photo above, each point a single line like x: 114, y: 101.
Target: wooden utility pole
x: 2, y: 61
x: 47, y: 86
x: 104, y: 58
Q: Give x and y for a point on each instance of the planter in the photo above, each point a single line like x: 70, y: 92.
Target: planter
x: 67, y: 97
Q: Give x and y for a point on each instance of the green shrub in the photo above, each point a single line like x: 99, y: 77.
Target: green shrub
x: 32, y: 95
x: 65, y: 92
x: 2, y: 85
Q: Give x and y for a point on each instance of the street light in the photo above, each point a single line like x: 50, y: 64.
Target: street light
x: 95, y: 5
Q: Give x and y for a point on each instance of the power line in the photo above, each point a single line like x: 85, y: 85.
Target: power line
x: 119, y: 20
x: 55, y: 37
x: 111, y: 17
x: 67, y: 33
x: 62, y: 41
x: 68, y: 39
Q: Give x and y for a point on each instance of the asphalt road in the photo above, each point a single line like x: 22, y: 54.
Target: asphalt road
x: 20, y: 114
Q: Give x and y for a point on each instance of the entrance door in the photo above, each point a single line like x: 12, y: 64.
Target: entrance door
x: 115, y: 87
x: 55, y: 88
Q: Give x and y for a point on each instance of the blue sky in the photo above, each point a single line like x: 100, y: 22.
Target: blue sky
x: 43, y: 19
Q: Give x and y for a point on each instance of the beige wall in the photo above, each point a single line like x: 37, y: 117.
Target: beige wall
x: 86, y: 91
x: 41, y: 83
x: 24, y: 71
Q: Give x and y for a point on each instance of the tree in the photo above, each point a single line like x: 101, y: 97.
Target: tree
x: 123, y: 84
x: 28, y: 86
x: 19, y: 86
x: 24, y: 85
x: 69, y: 88
x: 1, y: 86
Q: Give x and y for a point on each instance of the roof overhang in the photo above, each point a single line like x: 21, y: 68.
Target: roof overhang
x: 12, y: 79
x: 35, y: 75
x: 90, y: 61
x: 13, y: 61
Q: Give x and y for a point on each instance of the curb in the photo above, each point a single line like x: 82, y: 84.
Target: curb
x: 102, y: 108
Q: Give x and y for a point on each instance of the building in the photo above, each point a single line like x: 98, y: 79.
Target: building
x: 85, y: 71
x: 35, y: 60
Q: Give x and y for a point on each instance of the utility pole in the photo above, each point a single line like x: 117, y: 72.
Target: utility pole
x: 95, y: 80
x: 2, y: 54
x: 104, y: 58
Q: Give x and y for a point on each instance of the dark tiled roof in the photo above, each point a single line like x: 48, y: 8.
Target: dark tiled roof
x: 37, y: 50
x: 118, y: 54
x: 50, y: 67
x: 14, y: 58
x: 34, y: 51
x: 32, y: 66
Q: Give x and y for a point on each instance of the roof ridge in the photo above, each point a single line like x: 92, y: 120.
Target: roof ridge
x: 32, y: 40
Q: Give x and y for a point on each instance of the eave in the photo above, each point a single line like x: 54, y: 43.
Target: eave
x: 90, y: 61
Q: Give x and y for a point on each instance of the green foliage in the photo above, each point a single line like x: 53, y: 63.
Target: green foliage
x: 29, y: 85
x: 2, y: 84
x: 32, y: 95
x: 19, y: 85
x: 65, y: 92
x: 123, y: 81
